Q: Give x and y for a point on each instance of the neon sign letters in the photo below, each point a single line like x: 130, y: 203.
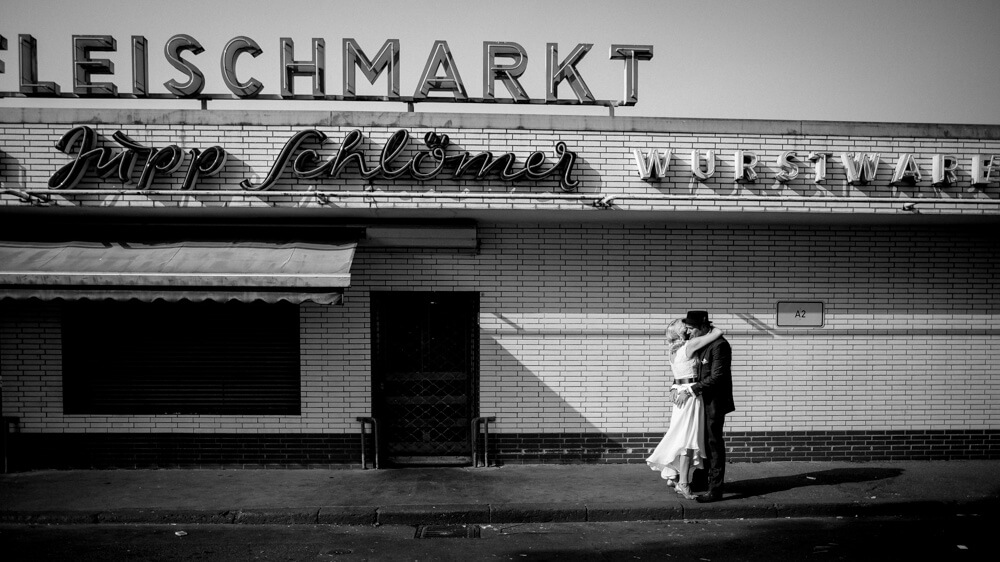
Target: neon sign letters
x: 422, y: 166
x: 503, y: 62
x: 81, y: 142
x: 396, y: 160
x: 859, y: 168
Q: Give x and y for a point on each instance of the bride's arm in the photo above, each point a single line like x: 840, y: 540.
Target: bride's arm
x: 694, y: 344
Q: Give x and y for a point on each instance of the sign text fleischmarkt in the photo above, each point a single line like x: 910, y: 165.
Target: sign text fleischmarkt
x: 503, y: 62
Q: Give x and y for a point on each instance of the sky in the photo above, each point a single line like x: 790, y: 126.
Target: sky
x: 912, y: 61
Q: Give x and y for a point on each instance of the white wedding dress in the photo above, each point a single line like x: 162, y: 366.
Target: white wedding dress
x: 686, y: 431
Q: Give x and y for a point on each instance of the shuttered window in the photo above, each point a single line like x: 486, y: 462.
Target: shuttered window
x: 180, y: 358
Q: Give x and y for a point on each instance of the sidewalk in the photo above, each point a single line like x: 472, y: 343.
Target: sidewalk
x: 509, y: 494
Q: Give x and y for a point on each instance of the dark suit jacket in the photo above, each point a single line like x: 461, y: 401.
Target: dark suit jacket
x: 715, y: 377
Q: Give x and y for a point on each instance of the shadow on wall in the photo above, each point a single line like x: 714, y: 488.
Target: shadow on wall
x: 526, y: 399
x: 893, y: 269
x: 12, y: 174
x: 548, y: 417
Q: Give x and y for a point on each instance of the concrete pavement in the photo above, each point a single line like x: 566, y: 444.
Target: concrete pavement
x: 508, y: 494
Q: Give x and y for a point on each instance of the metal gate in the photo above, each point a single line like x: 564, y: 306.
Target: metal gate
x: 425, y: 375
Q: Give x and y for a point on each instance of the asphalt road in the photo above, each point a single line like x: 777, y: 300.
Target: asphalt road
x: 967, y: 537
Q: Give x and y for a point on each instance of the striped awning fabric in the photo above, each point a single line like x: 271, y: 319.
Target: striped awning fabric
x: 219, y: 271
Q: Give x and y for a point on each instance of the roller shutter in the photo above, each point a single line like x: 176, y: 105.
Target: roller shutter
x: 154, y: 358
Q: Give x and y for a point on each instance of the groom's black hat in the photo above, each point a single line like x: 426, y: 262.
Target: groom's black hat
x: 696, y: 318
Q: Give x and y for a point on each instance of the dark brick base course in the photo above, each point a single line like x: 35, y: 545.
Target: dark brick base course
x: 181, y: 450
x: 178, y: 450
x: 755, y: 446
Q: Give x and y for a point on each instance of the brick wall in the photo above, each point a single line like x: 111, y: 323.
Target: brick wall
x: 572, y: 359
x: 572, y: 319
x: 574, y: 297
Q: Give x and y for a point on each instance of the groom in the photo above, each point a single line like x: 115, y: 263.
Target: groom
x: 714, y: 383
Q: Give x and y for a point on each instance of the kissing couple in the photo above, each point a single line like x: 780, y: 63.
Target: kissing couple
x: 702, y: 395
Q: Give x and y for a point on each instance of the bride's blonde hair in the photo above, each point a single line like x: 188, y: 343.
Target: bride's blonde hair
x: 676, y: 336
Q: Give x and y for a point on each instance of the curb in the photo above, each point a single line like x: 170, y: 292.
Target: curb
x: 433, y: 514
x: 647, y: 511
x: 538, y: 513
x: 503, y: 513
x: 348, y: 515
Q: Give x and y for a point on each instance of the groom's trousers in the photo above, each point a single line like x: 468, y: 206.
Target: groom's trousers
x: 716, y: 449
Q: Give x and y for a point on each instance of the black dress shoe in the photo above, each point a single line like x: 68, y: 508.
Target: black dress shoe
x: 709, y: 497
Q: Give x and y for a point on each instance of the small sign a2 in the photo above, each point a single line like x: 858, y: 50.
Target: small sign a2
x: 800, y: 314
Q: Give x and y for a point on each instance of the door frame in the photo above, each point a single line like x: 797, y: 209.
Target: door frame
x: 381, y: 304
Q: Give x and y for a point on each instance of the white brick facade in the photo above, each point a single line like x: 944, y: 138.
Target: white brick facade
x: 572, y: 319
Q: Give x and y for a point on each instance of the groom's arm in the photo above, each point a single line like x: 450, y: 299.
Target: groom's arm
x: 720, y: 357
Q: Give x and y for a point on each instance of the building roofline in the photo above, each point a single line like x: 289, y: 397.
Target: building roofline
x: 664, y: 125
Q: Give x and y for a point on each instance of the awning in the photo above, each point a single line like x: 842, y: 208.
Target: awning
x: 197, y: 271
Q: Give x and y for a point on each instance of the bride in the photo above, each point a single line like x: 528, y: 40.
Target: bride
x: 682, y: 449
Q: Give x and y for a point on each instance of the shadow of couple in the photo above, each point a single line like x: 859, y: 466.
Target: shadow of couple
x: 762, y: 486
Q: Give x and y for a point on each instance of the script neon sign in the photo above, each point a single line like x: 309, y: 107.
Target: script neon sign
x: 396, y: 160
x: 424, y: 165
x: 503, y: 62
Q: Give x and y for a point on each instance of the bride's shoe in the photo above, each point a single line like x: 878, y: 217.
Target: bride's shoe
x: 672, y: 482
x: 684, y: 490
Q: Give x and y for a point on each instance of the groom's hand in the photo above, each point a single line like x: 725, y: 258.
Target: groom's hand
x: 681, y: 398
